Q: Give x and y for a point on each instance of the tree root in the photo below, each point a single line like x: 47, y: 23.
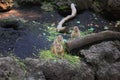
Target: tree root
x: 73, y: 14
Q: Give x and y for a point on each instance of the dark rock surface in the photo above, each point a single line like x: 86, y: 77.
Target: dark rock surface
x: 28, y: 2
x: 63, y: 6
x: 111, y: 7
x: 10, y: 69
x: 61, y: 69
x: 104, y: 59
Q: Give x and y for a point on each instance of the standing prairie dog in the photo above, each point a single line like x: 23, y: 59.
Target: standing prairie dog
x: 75, y: 33
x: 60, y: 39
x: 117, y: 24
x: 57, y: 47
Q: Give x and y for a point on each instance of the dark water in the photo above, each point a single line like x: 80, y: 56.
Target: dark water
x: 31, y: 38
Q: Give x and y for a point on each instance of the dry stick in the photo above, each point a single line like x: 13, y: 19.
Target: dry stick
x: 73, y: 14
x: 92, y: 38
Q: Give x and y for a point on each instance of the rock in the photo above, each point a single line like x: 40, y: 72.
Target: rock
x: 12, y: 22
x: 10, y: 69
x: 34, y: 73
x: 83, y: 4
x: 108, y: 7
x: 105, y: 60
x: 114, y: 7
x: 61, y: 70
x: 13, y: 69
x: 63, y: 6
x: 6, y: 5
x: 28, y: 2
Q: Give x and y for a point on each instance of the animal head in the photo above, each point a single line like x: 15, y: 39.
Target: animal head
x: 75, y: 28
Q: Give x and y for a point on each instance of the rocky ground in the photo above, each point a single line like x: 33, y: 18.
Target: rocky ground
x: 98, y: 62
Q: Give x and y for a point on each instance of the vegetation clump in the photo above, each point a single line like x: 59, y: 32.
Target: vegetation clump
x: 47, y: 6
x: 48, y: 55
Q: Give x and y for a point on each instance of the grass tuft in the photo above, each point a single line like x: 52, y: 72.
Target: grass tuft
x: 48, y: 55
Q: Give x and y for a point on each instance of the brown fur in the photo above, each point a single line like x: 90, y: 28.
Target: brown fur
x: 57, y: 47
x: 75, y: 33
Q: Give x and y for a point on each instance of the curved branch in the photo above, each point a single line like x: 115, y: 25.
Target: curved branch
x: 73, y: 14
x: 92, y: 38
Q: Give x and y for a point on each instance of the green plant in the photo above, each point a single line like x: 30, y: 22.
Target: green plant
x: 51, y: 31
x: 48, y: 55
x: 72, y: 59
x: 6, y: 20
x: 63, y: 7
x: 18, y: 61
x: 47, y: 6
x: 89, y: 31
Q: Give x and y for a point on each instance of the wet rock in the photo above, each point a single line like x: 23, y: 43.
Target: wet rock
x: 105, y: 59
x: 6, y: 5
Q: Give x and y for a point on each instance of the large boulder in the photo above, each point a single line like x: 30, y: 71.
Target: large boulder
x: 6, y: 5
x: 104, y: 59
x: 61, y: 69
x: 12, y: 68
